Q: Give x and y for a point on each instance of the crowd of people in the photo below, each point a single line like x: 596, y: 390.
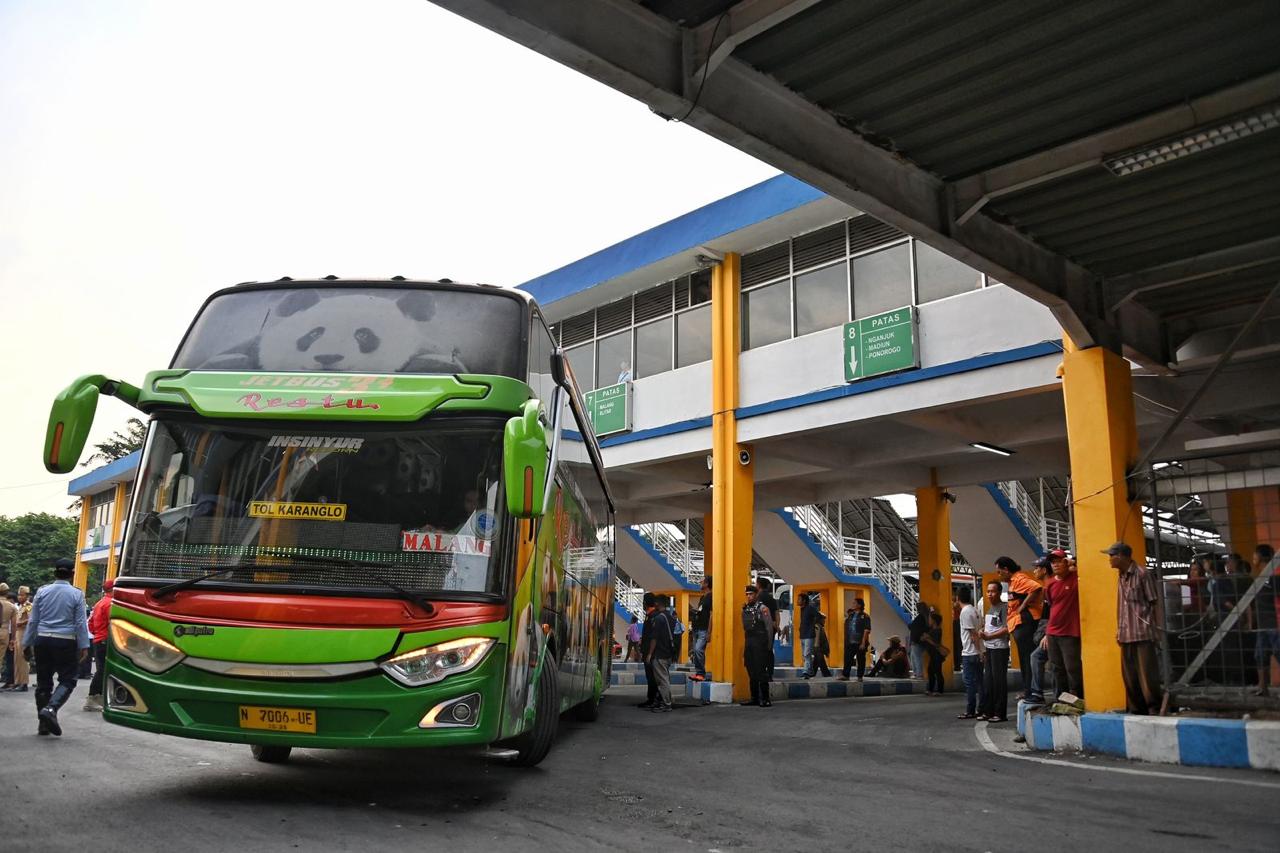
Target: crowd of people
x: 54, y: 631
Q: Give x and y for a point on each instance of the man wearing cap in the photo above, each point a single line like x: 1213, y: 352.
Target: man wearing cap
x: 1062, y: 635
x: 1137, y: 629
x: 60, y: 636
x: 99, y: 621
x: 757, y: 629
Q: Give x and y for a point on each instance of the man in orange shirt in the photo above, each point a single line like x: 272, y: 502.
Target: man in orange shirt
x: 1026, y: 603
x: 98, y: 624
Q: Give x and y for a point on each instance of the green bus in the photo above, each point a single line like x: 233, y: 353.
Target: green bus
x: 356, y: 524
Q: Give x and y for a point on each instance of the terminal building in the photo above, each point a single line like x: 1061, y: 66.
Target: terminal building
x: 867, y: 365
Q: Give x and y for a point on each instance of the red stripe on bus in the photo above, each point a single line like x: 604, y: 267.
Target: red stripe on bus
x: 260, y: 610
x: 528, y: 489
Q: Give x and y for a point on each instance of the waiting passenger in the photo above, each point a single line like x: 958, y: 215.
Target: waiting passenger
x: 821, y: 648
x: 995, y: 669
x: 970, y: 654
x: 633, y: 640
x: 1263, y: 617
x: 1062, y: 634
x: 937, y: 653
x: 893, y: 662
x: 857, y: 639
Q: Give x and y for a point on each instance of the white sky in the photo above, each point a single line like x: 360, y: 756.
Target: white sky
x: 152, y: 152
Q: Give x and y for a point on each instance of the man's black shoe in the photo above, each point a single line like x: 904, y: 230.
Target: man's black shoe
x: 766, y: 703
x: 42, y: 730
x: 50, y: 718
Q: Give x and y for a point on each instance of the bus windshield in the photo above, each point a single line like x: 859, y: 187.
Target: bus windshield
x: 343, y: 506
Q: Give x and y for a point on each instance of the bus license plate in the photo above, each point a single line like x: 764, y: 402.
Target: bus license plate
x: 278, y: 719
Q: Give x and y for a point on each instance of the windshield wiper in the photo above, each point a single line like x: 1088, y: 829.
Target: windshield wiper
x: 170, y: 589
x: 417, y: 599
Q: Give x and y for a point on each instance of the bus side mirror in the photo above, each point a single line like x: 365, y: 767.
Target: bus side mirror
x: 69, y: 422
x: 524, y: 462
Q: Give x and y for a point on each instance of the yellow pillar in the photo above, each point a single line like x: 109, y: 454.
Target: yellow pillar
x: 732, y: 483
x: 118, y: 510
x: 1103, y: 438
x: 81, y: 578
x: 1242, y: 522
x: 933, y: 522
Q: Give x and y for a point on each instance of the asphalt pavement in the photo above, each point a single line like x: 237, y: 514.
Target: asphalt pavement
x: 894, y: 773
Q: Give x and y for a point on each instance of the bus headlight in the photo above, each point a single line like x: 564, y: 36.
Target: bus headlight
x: 143, y: 647
x: 436, y: 663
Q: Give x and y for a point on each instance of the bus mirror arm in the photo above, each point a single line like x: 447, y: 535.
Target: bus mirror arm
x: 524, y: 458
x: 71, y: 418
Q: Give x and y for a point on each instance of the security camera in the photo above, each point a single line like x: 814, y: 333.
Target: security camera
x: 744, y: 457
x: 948, y: 497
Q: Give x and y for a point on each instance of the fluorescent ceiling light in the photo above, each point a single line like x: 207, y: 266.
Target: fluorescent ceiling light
x: 1267, y: 118
x: 991, y: 448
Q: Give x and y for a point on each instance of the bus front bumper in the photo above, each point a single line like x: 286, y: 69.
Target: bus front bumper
x: 369, y: 711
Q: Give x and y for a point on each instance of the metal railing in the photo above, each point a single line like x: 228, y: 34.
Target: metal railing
x: 628, y: 594
x: 857, y: 556
x: 1051, y: 532
x: 676, y: 550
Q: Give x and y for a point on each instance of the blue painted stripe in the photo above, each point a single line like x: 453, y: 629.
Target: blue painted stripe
x: 755, y: 204
x: 836, y: 689
x: 902, y: 688
x: 681, y: 581
x: 951, y: 369
x: 870, y: 688
x: 1213, y: 743
x: 924, y: 374
x: 111, y: 472
x: 1042, y: 731
x: 1020, y: 525
x: 797, y: 691
x: 835, y: 570
x: 1103, y: 733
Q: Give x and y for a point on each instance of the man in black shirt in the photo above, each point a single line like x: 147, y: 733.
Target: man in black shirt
x: 700, y: 625
x: 857, y: 639
x: 659, y: 651
x: 916, y: 632
x: 650, y: 604
x: 765, y: 596
x: 808, y: 613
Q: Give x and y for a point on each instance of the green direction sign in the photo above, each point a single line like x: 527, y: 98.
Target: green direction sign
x: 610, y: 409
x: 883, y: 343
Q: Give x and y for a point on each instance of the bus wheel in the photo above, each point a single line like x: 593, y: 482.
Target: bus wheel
x: 533, y: 746
x: 271, y: 754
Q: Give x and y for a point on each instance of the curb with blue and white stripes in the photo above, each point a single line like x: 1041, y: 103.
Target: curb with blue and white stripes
x: 1192, y: 741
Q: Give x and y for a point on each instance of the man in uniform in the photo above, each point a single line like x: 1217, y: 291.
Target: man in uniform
x: 8, y: 614
x: 757, y: 628
x: 58, y: 632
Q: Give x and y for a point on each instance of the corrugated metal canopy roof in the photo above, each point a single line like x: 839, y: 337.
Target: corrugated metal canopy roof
x: 984, y: 127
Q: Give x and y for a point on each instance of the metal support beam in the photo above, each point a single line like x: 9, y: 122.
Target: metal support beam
x: 644, y: 55
x: 973, y: 192
x: 1122, y: 289
x: 716, y: 39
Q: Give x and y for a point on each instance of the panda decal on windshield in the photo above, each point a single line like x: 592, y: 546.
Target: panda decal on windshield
x: 313, y: 331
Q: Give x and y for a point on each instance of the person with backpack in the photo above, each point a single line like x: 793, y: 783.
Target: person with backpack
x: 659, y: 651
x: 757, y: 629
x: 650, y: 605
x: 821, y: 648
x: 701, y: 622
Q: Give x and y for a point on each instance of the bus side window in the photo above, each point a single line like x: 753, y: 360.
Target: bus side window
x: 541, y: 346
